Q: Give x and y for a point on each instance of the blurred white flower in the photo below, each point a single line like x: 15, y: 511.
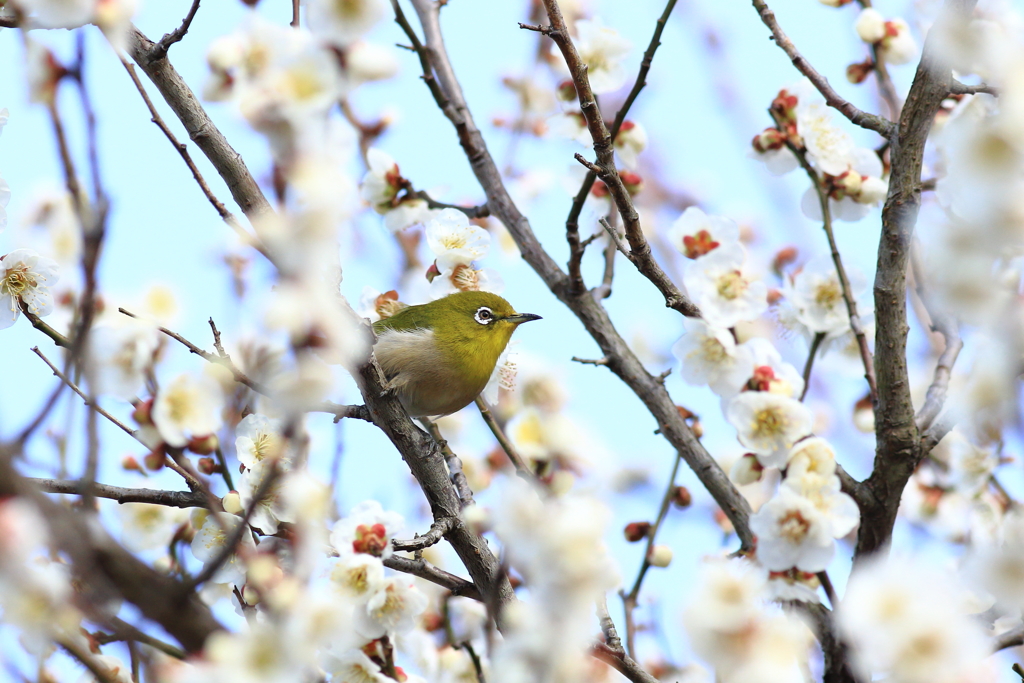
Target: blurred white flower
x: 870, y: 25
x: 769, y: 424
x: 273, y: 508
x: 897, y: 46
x: 189, y: 406
x: 366, y: 62
x: 258, y: 440
x: 123, y: 351
x: 570, y: 125
x: 602, y: 49
x: 25, y: 276
x: 904, y: 621
x: 344, y: 21
x: 695, y: 233
x: 42, y: 71
x: 709, y: 355
x: 213, y: 531
x: 811, y: 456
x: 355, y: 667
x: 358, y: 576
x: 816, y: 297
x: 391, y: 609
x: 146, y: 527
x: 771, y: 373
x: 851, y: 193
x: 725, y: 294
x: 769, y: 147
x: 5, y: 115
x: 52, y: 211
x: 59, y: 13
x: 792, y: 532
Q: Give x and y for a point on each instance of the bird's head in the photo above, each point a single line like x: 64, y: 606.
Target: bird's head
x: 479, y: 321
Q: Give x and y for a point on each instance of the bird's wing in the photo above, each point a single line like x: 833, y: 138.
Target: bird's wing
x: 406, y: 320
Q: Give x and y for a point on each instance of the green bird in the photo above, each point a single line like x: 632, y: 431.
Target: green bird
x: 439, y: 356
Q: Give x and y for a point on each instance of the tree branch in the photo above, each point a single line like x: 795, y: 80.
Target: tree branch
x: 174, y: 499
x: 856, y: 116
x: 428, y: 572
x: 159, y: 50
x: 621, y: 359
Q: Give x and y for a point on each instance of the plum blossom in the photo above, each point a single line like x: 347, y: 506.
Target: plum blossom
x: 828, y: 146
x: 368, y: 528
x: 25, y: 277
x: 454, y: 240
x: 383, y: 189
x: 343, y: 21
x: 852, y: 193
x: 724, y: 292
x: 391, y: 609
x: 792, y: 532
x: 358, y: 576
x: 811, y: 456
x: 189, y: 406
x: 709, y: 355
x: 570, y: 125
x: 213, y: 531
x: 771, y: 373
x: 840, y: 510
x: 367, y: 62
x: 898, y: 45
x: 695, y: 233
x: 769, y: 147
x: 123, y: 351
x: 355, y: 667
x: 904, y: 621
x: 768, y: 424
x: 870, y: 25
x: 258, y: 441
x: 814, y: 303
x: 147, y: 527
x: 59, y: 13
x: 273, y: 507
x: 602, y: 49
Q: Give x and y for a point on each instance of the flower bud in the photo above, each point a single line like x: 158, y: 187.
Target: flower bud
x: 746, y: 470
x: 232, y: 503
x: 636, y: 531
x: 870, y: 26
x: 561, y: 482
x: 207, y: 466
x: 478, y: 519
x: 898, y: 46
x: 143, y: 412
x: 432, y: 272
x: 848, y: 183
x: 859, y: 71
x: 566, y: 91
x: 774, y: 296
x: 387, y: 304
x: 130, y: 464
x: 154, y: 460
x: 203, y: 445
x: 633, y: 182
x: 682, y: 498
x: 599, y: 189
x: 697, y: 428
x: 660, y: 556
x: 769, y: 139
x: 864, y: 415
x: 872, y: 190
x: 783, y: 258
x: 250, y: 595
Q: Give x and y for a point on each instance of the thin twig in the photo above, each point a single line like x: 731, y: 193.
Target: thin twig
x: 427, y: 571
x: 506, y: 444
x: 623, y: 663
x: 123, y: 631
x: 89, y: 402
x: 589, y: 361
x: 958, y: 88
x: 861, y: 118
x: 437, y: 531
x: 457, y: 476
x: 58, y: 338
x: 174, y: 499
x: 629, y: 600
x: 159, y: 50
x: 815, y: 343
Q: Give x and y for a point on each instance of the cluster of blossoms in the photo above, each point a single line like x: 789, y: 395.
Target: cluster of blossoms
x: 890, y: 38
x: 389, y: 194
x: 851, y: 177
x: 761, y: 394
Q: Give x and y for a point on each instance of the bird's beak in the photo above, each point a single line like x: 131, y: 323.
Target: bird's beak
x: 519, y: 318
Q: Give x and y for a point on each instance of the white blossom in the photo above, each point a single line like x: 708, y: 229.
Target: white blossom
x: 725, y: 293
x: 358, y: 576
x: 213, y: 531
x: 570, y: 125
x: 870, y: 25
x: 455, y: 241
x: 189, y: 406
x: 903, y: 620
x: 695, y: 233
x: 273, y: 507
x: 602, y: 49
x: 355, y: 667
x: 258, y: 440
x: 828, y: 146
x: 709, y: 355
x: 768, y: 424
x: 59, y: 13
x: 631, y: 140
x: 392, y: 609
x: 146, y: 527
x: 792, y: 532
x: 367, y: 62
x: 898, y: 46
x: 123, y: 351
x: 816, y: 297
x: 771, y: 373
x: 465, y: 278
x: 851, y: 193
x: 25, y: 277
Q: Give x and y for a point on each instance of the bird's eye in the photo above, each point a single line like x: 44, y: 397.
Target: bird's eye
x: 483, y: 315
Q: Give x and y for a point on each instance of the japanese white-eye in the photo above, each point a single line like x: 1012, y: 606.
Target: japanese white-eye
x: 439, y: 356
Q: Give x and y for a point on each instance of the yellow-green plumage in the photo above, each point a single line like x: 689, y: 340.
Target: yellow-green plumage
x: 439, y: 356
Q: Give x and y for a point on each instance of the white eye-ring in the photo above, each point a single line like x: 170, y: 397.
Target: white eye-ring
x: 483, y: 315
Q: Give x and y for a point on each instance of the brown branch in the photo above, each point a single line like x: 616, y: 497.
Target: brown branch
x: 1012, y: 638
x: 833, y: 649
x: 174, y: 499
x: 109, y: 570
x: 886, y: 88
x: 428, y: 572
x: 623, y: 663
x: 37, y: 322
x: 572, y: 221
x: 640, y: 250
x: 159, y: 50
x: 201, y: 129
x: 454, y: 464
x: 958, y: 88
x: 481, y: 211
x: 123, y: 631
x: 809, y: 365
x: 860, y: 118
x: 437, y: 531
x: 621, y: 359
x: 899, y: 445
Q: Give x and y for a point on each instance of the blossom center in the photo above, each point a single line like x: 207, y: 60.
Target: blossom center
x: 731, y: 285
x: 17, y: 280
x: 769, y: 423
x: 828, y: 294
x: 793, y: 527
x: 465, y: 278
x: 713, y: 351
x: 699, y: 244
x: 370, y: 539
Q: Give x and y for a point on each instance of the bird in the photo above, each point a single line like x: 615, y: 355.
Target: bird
x: 439, y: 356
